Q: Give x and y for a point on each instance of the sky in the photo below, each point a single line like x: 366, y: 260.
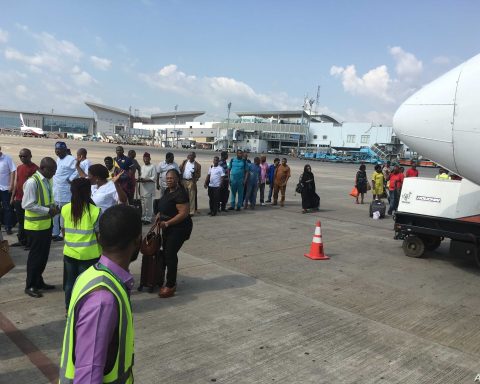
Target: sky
x: 366, y: 56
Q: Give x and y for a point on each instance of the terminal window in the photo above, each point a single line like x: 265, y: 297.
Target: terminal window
x: 364, y: 139
x: 350, y: 138
x: 325, y: 137
x: 314, y: 136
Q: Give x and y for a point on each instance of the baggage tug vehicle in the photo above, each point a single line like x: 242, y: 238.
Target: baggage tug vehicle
x: 442, y: 122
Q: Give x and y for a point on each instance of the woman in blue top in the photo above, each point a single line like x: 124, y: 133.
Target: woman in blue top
x: 253, y: 182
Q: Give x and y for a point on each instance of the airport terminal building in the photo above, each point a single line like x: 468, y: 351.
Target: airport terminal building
x: 49, y: 122
x: 255, y: 131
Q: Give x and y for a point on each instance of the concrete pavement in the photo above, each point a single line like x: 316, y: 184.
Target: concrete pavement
x: 251, y: 309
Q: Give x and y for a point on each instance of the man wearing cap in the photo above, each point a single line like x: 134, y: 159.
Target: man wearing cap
x: 147, y: 188
x: 162, y: 170
x: 61, y: 183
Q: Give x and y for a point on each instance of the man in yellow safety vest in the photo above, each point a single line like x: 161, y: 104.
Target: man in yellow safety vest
x: 39, y: 209
x: 98, y: 344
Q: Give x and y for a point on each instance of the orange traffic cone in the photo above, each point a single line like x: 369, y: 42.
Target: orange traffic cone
x: 316, y: 249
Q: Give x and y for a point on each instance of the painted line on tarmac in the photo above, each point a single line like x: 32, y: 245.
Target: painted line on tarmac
x: 37, y: 357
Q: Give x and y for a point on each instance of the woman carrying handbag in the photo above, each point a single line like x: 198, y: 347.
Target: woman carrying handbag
x: 172, y: 216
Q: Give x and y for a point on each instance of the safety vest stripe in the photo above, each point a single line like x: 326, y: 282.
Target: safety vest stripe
x: 80, y: 231
x: 81, y: 244
x: 37, y: 218
x: 40, y: 191
x: 122, y: 376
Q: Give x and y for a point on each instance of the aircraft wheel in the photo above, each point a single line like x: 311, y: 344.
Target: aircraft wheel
x: 413, y: 246
x: 431, y: 242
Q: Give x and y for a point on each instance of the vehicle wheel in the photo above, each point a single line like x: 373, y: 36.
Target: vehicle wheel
x: 413, y: 246
x: 431, y: 242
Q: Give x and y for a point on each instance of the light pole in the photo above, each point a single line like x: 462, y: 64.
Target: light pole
x: 175, y: 124
x: 229, y: 107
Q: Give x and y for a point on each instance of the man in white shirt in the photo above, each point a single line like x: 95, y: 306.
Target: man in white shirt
x: 81, y: 166
x: 162, y: 170
x: 66, y: 166
x: 7, y: 180
x: 147, y: 188
x: 191, y: 171
x: 213, y: 182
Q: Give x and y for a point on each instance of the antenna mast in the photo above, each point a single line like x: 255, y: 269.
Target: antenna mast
x: 317, y: 100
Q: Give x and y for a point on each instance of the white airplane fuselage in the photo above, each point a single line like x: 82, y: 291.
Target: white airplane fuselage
x: 442, y: 120
x: 33, y: 131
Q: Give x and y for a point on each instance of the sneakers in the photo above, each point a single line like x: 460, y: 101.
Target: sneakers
x: 57, y: 238
x: 231, y: 208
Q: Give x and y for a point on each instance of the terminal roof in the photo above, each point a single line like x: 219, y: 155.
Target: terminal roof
x: 106, y: 108
x: 267, y: 114
x: 179, y: 113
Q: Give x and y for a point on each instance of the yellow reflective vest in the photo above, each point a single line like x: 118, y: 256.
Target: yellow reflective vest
x: 81, y: 240
x: 98, y: 276
x: 37, y: 221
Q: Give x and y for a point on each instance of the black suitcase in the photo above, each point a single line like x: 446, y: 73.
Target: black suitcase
x: 378, y: 206
x: 137, y: 202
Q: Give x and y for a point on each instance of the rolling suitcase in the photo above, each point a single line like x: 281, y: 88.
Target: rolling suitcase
x: 137, y: 201
x: 378, y: 206
x: 150, y: 273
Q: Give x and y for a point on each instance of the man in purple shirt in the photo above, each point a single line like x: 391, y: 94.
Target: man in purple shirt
x: 95, y: 315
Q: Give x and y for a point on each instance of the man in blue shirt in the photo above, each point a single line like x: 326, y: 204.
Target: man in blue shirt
x: 238, y: 177
x: 271, y: 176
x: 253, y: 183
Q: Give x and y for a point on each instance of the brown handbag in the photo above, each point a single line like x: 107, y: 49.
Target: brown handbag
x: 6, y: 262
x: 152, y: 242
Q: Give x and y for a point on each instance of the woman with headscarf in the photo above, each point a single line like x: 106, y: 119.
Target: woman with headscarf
x: 173, y: 217
x: 105, y: 193
x: 310, y: 199
x: 361, y: 182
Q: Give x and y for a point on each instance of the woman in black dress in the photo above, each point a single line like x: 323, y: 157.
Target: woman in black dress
x: 310, y: 200
x: 173, y: 217
x: 361, y: 182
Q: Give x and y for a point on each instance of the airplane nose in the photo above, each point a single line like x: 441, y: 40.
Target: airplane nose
x: 425, y: 120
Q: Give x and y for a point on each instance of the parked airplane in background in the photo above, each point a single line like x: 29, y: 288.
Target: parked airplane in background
x: 30, y: 131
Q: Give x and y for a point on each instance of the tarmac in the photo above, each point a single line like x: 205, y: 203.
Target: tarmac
x: 250, y: 308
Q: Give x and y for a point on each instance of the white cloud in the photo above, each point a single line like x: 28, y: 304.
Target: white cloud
x: 3, y: 36
x: 59, y: 47
x: 217, y: 90
x: 375, y: 83
x: 101, y: 63
x: 37, y: 60
x: 378, y: 83
x: 407, y: 65
x: 82, y: 78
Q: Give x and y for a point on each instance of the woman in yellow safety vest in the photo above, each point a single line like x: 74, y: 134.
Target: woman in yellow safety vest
x: 79, y: 221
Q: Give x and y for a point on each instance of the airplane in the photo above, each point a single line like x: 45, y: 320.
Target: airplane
x: 441, y: 120
x: 30, y: 131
